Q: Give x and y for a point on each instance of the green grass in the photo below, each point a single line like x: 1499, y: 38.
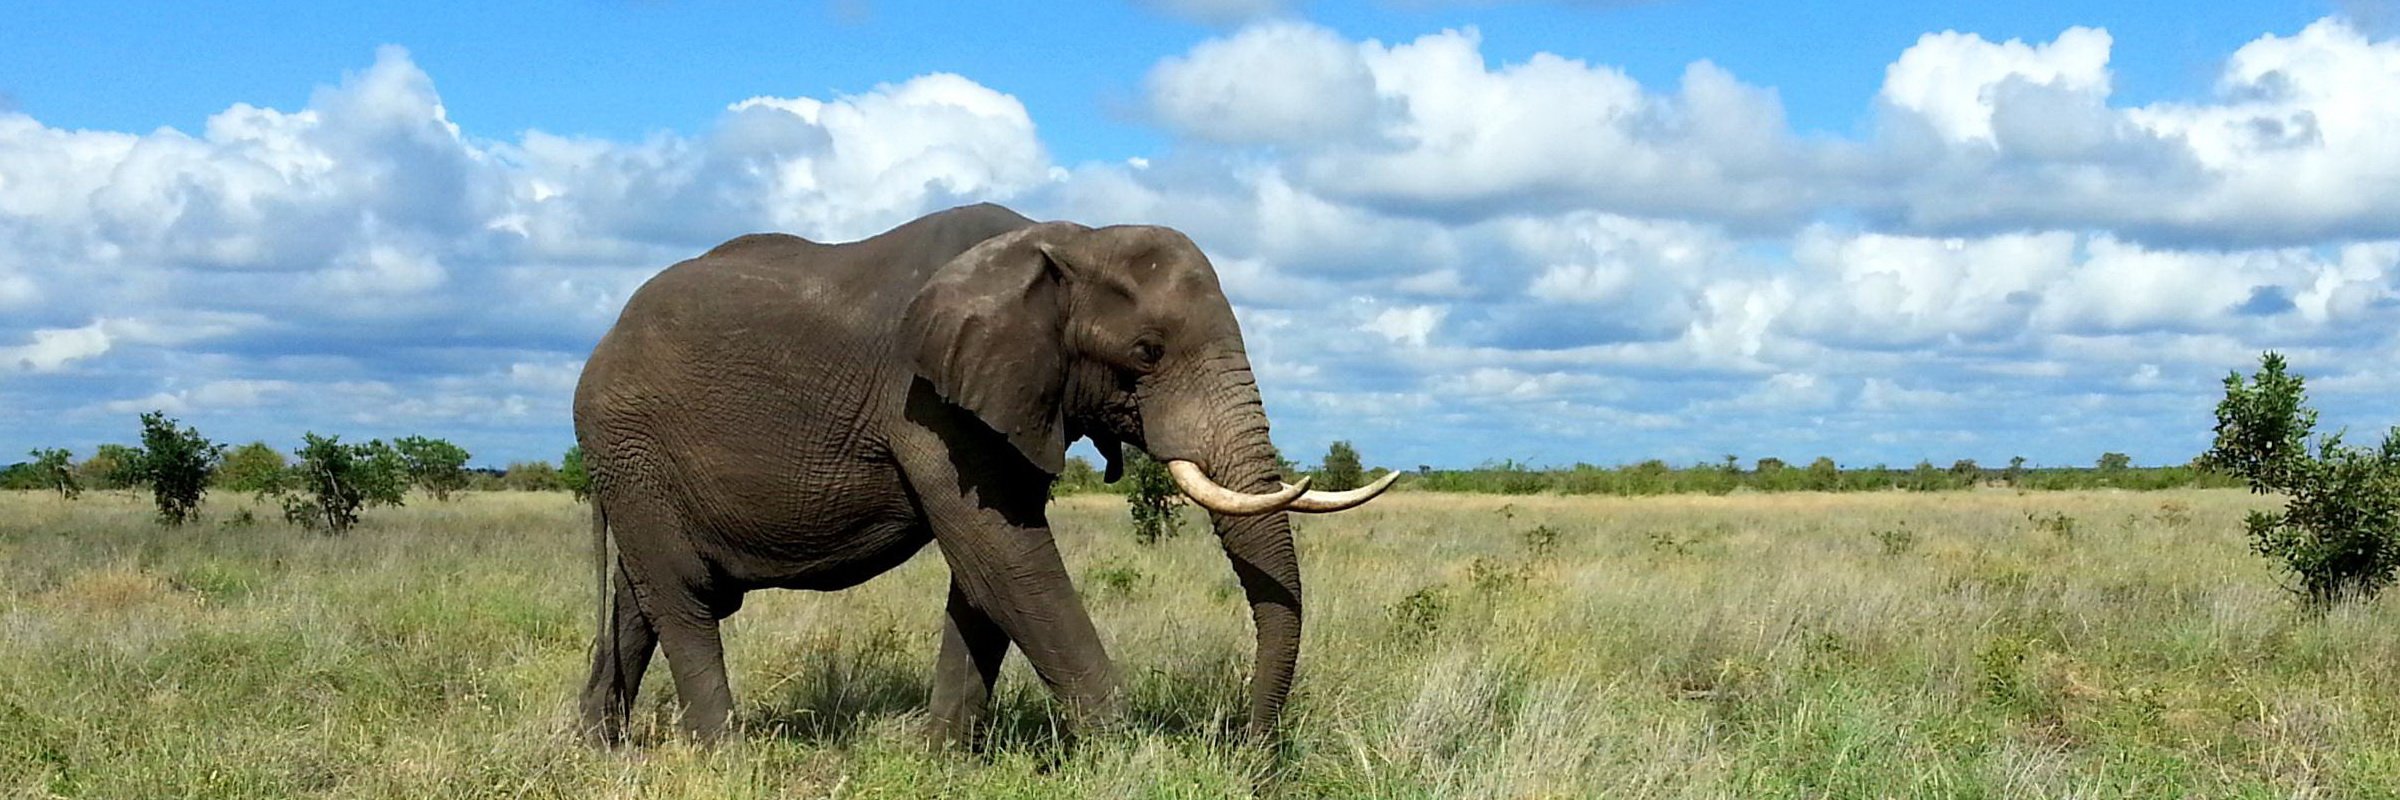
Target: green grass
x: 1971, y: 644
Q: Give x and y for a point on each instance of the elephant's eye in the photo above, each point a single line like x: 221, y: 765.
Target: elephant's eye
x: 1148, y: 352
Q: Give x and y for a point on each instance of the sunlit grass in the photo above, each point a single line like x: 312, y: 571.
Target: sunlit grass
x: 1971, y: 644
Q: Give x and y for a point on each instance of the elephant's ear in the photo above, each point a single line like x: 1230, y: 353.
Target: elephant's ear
x: 987, y: 332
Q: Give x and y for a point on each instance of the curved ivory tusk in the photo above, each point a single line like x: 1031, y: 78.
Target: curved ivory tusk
x: 1213, y: 497
x: 1323, y: 502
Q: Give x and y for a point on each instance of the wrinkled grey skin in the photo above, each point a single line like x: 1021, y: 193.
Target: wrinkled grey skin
x: 779, y: 413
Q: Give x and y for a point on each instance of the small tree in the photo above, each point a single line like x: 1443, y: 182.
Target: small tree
x: 2113, y: 463
x: 334, y: 480
x: 254, y: 468
x: 176, y: 464
x: 2339, y: 532
x: 533, y: 476
x: 1076, y: 477
x: 1823, y: 475
x: 577, y: 479
x: 56, y: 467
x: 1341, y: 470
x: 1152, y: 497
x: 2015, y: 472
x: 113, y: 466
x: 434, y: 465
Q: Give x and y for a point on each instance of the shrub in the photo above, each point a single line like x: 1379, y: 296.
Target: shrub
x: 1077, y: 477
x: 1341, y: 470
x: 1118, y: 580
x: 1151, y: 496
x: 572, y: 473
x: 2057, y: 523
x: 433, y: 465
x: 2339, y: 532
x: 176, y: 464
x: 334, y: 480
x: 1541, y: 541
x: 21, y: 476
x: 1896, y: 541
x: 114, y: 466
x: 533, y: 476
x: 1421, y: 612
x: 254, y: 468
x: 56, y: 470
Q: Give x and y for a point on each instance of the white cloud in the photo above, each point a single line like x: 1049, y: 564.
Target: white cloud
x: 1882, y: 289
x: 53, y: 349
x: 1410, y: 326
x: 1287, y: 82
x: 1951, y: 79
x: 1539, y: 258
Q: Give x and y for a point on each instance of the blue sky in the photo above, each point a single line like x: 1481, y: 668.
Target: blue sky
x: 1456, y: 231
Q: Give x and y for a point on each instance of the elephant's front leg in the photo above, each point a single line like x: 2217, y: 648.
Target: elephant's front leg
x: 1015, y: 577
x: 973, y: 645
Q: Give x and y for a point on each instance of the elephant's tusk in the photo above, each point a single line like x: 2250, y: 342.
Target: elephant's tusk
x: 1196, y: 485
x: 1322, y: 502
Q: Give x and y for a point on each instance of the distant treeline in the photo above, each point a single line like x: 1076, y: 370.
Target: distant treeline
x: 103, y: 470
x: 1654, y: 477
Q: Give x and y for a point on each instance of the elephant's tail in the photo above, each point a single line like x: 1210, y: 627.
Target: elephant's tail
x: 606, y: 641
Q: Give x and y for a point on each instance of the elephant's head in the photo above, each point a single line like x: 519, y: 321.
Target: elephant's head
x: 1122, y: 334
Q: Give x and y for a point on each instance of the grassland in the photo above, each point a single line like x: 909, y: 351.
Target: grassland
x: 1966, y: 644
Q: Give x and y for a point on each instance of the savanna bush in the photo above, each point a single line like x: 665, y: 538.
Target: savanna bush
x: 1151, y: 496
x: 55, y: 468
x: 1341, y: 470
x: 433, y: 465
x: 571, y: 472
x: 333, y: 480
x: 2339, y: 531
x: 254, y: 468
x: 175, y: 463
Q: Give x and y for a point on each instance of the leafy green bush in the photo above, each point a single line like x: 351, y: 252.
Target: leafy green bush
x: 176, y: 464
x: 433, y: 465
x: 113, y: 466
x: 56, y: 469
x: 533, y: 476
x: 1341, y: 470
x: 1077, y: 477
x: 1421, y: 612
x: 255, y: 469
x: 572, y: 473
x: 1896, y: 541
x: 2339, y: 532
x: 333, y: 480
x: 1151, y: 496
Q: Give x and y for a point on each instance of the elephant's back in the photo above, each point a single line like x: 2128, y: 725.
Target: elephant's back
x: 742, y: 382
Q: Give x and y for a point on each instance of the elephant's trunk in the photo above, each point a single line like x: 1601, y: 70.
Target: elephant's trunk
x: 1260, y: 547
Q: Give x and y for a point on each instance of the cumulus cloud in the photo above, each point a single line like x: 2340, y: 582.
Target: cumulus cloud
x: 1952, y: 79
x: 367, y: 240
x: 54, y: 348
x: 1541, y: 258
x: 1280, y: 83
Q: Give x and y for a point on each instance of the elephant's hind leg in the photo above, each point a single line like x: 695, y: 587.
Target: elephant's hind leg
x: 697, y: 657
x: 620, y: 655
x: 972, y: 648
x: 673, y: 589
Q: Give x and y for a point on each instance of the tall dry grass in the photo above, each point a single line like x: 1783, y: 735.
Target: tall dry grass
x: 1981, y: 644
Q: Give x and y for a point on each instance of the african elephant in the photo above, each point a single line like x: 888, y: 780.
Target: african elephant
x: 779, y: 413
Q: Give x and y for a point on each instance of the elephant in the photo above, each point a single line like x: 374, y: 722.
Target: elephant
x: 780, y: 413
